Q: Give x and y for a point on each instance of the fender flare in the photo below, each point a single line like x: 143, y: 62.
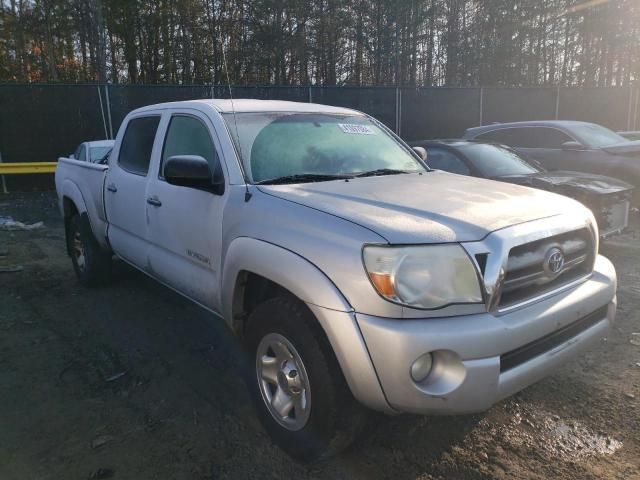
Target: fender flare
x: 331, y: 309
x: 71, y: 191
x: 284, y: 267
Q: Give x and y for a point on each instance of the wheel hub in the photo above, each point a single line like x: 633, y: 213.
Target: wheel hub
x: 289, y: 380
x: 283, y: 381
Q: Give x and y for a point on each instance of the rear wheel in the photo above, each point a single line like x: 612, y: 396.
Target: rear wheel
x: 91, y: 262
x: 300, y: 393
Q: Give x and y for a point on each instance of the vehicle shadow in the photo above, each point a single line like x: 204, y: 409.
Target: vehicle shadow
x: 207, y: 357
x: 430, y: 435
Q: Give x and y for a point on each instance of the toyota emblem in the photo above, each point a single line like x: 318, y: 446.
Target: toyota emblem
x: 554, y: 261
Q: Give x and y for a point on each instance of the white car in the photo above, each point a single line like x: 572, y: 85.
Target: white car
x: 95, y: 152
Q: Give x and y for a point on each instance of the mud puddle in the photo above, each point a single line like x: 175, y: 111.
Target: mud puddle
x: 528, y: 427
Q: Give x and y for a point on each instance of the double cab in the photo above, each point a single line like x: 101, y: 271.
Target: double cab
x: 353, y: 274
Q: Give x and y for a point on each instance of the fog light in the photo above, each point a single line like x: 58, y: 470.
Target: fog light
x: 421, y: 367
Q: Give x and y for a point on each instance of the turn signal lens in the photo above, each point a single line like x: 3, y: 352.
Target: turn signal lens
x: 383, y: 283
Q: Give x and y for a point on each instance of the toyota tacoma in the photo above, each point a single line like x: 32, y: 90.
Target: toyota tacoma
x: 354, y: 275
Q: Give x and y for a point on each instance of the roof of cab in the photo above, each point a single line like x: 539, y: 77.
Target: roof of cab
x: 561, y: 124
x: 452, y: 142
x: 246, y: 105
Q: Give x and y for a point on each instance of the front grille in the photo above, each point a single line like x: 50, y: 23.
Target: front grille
x: 531, y: 350
x: 526, y: 276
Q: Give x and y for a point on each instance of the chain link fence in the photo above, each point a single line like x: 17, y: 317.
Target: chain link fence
x: 43, y: 122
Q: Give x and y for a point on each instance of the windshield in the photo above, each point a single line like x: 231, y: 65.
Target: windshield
x: 495, y: 161
x: 596, y: 136
x: 98, y: 153
x: 276, y: 145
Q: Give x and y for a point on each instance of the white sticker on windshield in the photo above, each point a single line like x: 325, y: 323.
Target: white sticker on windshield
x: 357, y: 129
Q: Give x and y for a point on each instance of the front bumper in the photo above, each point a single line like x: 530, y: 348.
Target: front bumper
x: 468, y: 350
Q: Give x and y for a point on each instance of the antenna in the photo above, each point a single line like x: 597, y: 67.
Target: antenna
x: 247, y: 193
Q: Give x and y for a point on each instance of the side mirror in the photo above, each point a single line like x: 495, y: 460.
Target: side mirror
x: 422, y: 153
x: 190, y: 171
x: 572, y: 145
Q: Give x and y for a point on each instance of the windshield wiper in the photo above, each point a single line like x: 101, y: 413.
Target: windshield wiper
x: 325, y: 177
x: 302, y: 178
x: 381, y: 171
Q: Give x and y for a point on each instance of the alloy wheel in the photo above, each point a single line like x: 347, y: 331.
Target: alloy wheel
x: 283, y: 381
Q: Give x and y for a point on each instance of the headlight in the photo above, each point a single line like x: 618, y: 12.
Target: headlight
x: 429, y: 276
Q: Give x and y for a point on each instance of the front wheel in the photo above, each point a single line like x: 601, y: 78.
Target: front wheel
x: 300, y: 393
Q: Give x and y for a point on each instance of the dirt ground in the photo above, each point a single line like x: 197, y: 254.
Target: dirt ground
x: 131, y: 381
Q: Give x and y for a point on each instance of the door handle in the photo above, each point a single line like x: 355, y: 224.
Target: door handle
x: 154, y: 201
x: 112, y: 187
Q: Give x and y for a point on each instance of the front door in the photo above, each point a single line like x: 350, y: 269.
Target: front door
x: 185, y: 224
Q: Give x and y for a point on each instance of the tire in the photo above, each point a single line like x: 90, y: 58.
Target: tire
x: 325, y: 418
x: 91, y: 262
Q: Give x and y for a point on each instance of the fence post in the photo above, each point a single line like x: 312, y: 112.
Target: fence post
x: 481, y: 104
x: 630, y: 108
x: 635, y: 110
x: 310, y: 97
x: 557, y: 102
x: 104, y: 121
x: 4, y: 184
x: 108, y: 102
x: 213, y: 92
x: 399, y: 112
x: 397, y: 129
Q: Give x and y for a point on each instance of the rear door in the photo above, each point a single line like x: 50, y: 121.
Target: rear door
x: 126, y: 185
x: 185, y: 224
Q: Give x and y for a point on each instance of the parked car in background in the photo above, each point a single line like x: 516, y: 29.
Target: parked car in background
x: 96, y: 151
x: 569, y: 145
x: 352, y: 273
x: 632, y: 135
x: 608, y: 198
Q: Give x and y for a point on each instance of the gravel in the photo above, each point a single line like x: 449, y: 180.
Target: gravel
x: 181, y: 410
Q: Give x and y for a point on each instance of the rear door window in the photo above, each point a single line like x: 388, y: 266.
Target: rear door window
x: 514, y: 137
x: 442, y: 159
x: 137, y: 144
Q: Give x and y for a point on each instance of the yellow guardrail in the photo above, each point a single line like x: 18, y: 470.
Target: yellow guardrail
x: 27, y: 167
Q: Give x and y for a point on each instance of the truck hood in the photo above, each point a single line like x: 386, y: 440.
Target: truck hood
x: 428, y: 208
x: 624, y: 148
x: 561, y: 181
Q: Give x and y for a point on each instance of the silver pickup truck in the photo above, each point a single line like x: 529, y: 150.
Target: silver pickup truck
x: 353, y: 274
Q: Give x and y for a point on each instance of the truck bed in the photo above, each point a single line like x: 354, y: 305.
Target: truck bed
x: 83, y: 182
